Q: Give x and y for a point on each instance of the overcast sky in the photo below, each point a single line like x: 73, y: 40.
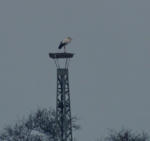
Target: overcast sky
x: 109, y: 75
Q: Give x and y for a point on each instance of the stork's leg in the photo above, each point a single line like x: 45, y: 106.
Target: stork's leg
x: 64, y: 49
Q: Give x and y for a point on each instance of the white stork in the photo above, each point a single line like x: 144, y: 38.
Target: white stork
x: 64, y: 42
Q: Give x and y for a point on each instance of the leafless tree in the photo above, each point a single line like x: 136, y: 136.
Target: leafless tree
x: 126, y: 135
x: 39, y: 124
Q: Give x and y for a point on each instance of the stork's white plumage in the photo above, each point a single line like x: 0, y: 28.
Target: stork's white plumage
x: 64, y: 42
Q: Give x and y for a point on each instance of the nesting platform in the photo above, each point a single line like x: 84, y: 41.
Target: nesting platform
x: 63, y: 55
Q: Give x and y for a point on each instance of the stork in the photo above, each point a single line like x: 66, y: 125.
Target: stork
x: 64, y: 42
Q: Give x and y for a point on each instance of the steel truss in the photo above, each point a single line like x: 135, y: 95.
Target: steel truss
x: 63, y: 108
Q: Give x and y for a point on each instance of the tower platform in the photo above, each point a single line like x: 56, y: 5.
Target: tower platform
x: 63, y: 55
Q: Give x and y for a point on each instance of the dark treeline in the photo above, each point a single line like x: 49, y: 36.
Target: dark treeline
x: 39, y: 125
x: 126, y: 135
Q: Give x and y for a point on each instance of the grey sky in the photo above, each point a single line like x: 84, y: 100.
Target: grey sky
x: 109, y: 75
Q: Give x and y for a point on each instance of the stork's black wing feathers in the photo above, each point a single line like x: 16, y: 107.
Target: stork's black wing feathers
x: 61, y: 45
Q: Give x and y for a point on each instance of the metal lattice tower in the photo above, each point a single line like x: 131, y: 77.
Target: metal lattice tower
x: 63, y: 107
